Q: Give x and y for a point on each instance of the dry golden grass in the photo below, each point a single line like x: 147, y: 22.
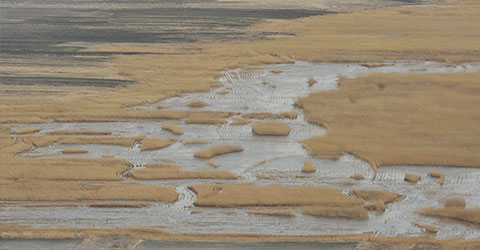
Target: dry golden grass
x: 271, y: 128
x: 195, y: 142
x: 274, y: 212
x: 118, y: 205
x: 354, y: 212
x: 454, y: 202
x: 412, y: 178
x: 26, y: 130
x: 277, y: 71
x: 197, y: 104
x: 357, y: 176
x: 428, y: 113
x: 373, y: 195
x: 78, y: 191
x: 239, y: 121
x: 428, y: 228
x: 74, y: 151
x: 211, y: 121
x: 103, y: 140
x: 455, y: 213
x: 311, y: 81
x: 172, y: 127
x: 373, y: 65
x: 308, y: 167
x: 377, y: 206
x: 437, y: 174
x: 263, y: 116
x: 210, y: 152
x: 250, y: 195
x: 154, y: 143
x: 165, y: 173
x: 169, y: 166
x: 212, y: 163
x: 79, y: 132
x: 4, y: 129
x: 63, y: 169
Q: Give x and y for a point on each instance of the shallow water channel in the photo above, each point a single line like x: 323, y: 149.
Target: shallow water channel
x: 277, y: 159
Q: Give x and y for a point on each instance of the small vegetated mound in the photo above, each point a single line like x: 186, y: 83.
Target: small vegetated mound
x: 455, y: 210
x: 276, y: 71
x: 212, y: 163
x: 262, y: 116
x: 412, y: 178
x: 118, y: 205
x: 154, y: 143
x: 211, y: 121
x: 173, y: 171
x: 377, y: 199
x: 102, y: 140
x: 172, y: 127
x: 437, y: 174
x: 355, y: 212
x: 271, y: 128
x: 210, y: 152
x: 79, y: 132
x: 197, y: 104
x: 427, y: 228
x: 274, y: 212
x: 308, y: 167
x: 373, y: 65
x: 26, y: 130
x: 239, y: 121
x: 357, y: 176
x: 252, y: 195
x: 74, y: 151
x: 311, y: 81
x: 455, y: 202
x: 195, y: 142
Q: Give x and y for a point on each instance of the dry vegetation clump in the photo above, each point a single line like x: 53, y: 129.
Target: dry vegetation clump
x: 239, y: 121
x: 154, y: 143
x: 164, y: 166
x: 118, y: 205
x: 427, y: 228
x: 262, y: 116
x: 354, y: 212
x: 210, y: 121
x: 373, y: 65
x: 372, y: 195
x: 412, y: 178
x: 455, y: 202
x: 271, y: 128
x: 437, y: 174
x: 172, y: 127
x: 195, y: 142
x: 210, y: 152
x: 63, y: 169
x: 26, y: 130
x: 74, y: 150
x: 274, y: 212
x: 311, y: 81
x: 78, y: 191
x: 103, y: 140
x: 251, y: 195
x: 377, y: 206
x: 357, y: 176
x: 79, y: 132
x: 212, y: 163
x: 165, y: 173
x: 455, y: 213
x: 376, y: 115
x: 276, y: 71
x: 308, y: 167
x: 197, y: 104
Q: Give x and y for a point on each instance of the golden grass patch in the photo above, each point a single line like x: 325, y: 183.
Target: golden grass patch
x: 274, y: 212
x: 74, y: 150
x: 262, y: 116
x: 210, y: 121
x: 197, y: 104
x: 412, y: 178
x: 251, y: 195
x: 374, y: 195
x: 212, y: 163
x: 154, y: 143
x: 455, y: 213
x: 210, y: 152
x: 165, y: 173
x: 78, y: 191
x: 354, y: 212
x: 172, y: 127
x: 437, y: 174
x: 26, y: 130
x: 271, y: 128
x: 103, y: 140
x: 308, y: 167
x: 454, y: 202
x: 79, y: 132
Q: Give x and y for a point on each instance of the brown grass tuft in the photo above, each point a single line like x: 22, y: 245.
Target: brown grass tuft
x: 428, y: 228
x: 154, y: 143
x: 311, y: 81
x: 412, y: 178
x: 274, y: 212
x: 118, y: 205
x: 276, y: 71
x: 355, y: 212
x: 271, y: 128
x: 377, y: 206
x: 103, y: 140
x: 357, y: 176
x: 212, y: 163
x: 454, y: 202
x: 194, y: 142
x: 172, y: 127
x: 74, y: 151
x: 211, y: 121
x: 197, y: 104
x: 26, y: 130
x: 377, y: 195
x: 437, y: 174
x: 262, y: 116
x: 79, y: 132
x: 454, y: 213
x: 251, y: 195
x: 165, y: 173
x: 239, y: 121
x: 308, y: 167
x: 210, y: 152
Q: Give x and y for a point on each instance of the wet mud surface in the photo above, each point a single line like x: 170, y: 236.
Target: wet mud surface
x: 266, y: 160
